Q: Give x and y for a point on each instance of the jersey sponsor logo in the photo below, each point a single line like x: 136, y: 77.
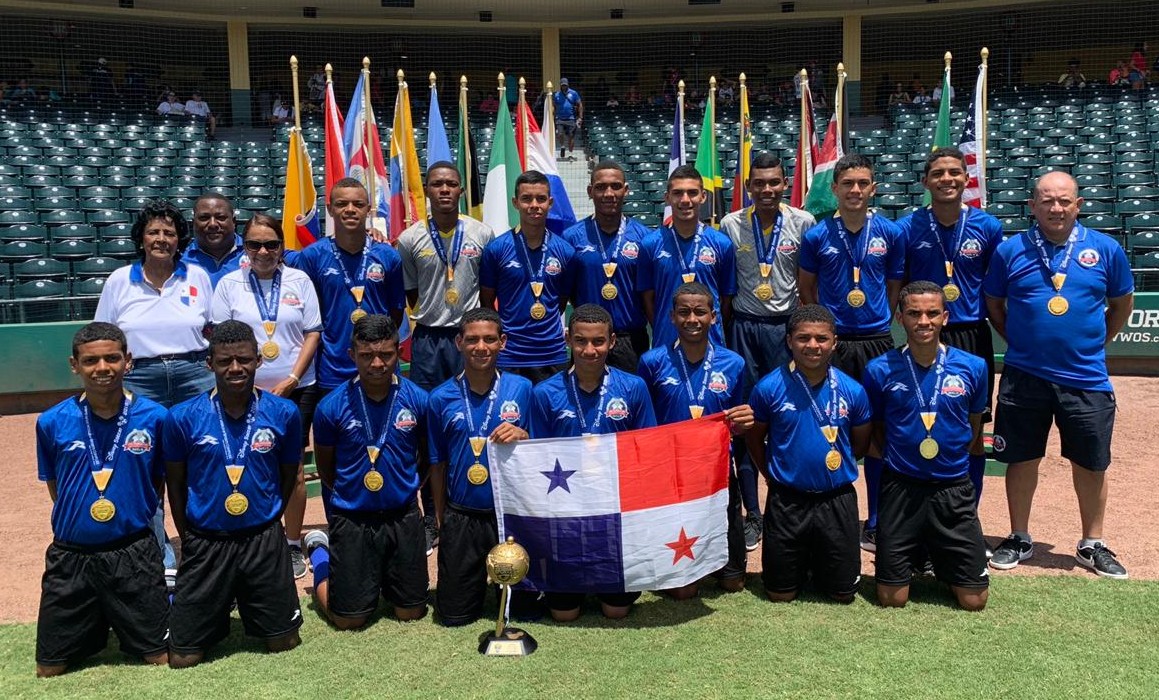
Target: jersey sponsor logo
x: 76, y: 445
x: 189, y: 295
x: 426, y: 253
x: 971, y: 248
x: 553, y: 266
x: 877, y: 247
x: 787, y: 247
x: 717, y: 383
x: 138, y: 442
x: 263, y: 440
x: 565, y: 414
x: 923, y: 245
x: 617, y: 409
x: 514, y: 265
x: 787, y: 406
x: 206, y: 440
x: 670, y: 381
x: 707, y: 256
x: 354, y: 424
x: 953, y: 386
x: 898, y: 386
x: 588, y: 249
x: 631, y: 250
x: 1088, y: 257
x: 830, y: 250
x: 999, y: 443
x: 404, y: 420
x: 375, y: 273
x: 469, y: 250
x: 459, y: 417
x: 509, y: 412
x: 663, y: 254
x: 330, y: 271
x: 291, y: 299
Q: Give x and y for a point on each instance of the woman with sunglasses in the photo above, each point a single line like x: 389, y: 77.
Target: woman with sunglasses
x: 280, y: 304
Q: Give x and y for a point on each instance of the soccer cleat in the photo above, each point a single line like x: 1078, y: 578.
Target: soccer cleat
x: 1012, y: 551
x: 315, y: 539
x: 753, y: 526
x: 298, y: 560
x: 432, y: 532
x: 1100, y: 560
x: 868, y: 538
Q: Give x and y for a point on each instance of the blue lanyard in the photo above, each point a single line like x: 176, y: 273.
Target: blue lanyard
x: 267, y: 310
x: 1057, y: 277
x: 364, y: 263
x: 617, y: 240
x: 832, y: 406
x: 536, y: 276
x: 863, y: 249
x: 686, y: 373
x: 930, y: 414
x: 951, y: 254
x: 688, y: 268
x: 456, y: 244
x: 367, y: 427
x: 573, y: 385
x: 114, y: 449
x: 766, y: 255
x: 250, y: 418
x: 465, y: 390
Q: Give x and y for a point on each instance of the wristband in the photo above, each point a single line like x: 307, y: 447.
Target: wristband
x: 296, y: 378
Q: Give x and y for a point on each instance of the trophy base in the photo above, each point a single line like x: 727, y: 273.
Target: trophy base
x: 513, y: 642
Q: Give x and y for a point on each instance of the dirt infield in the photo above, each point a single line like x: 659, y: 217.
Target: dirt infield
x: 1132, y: 522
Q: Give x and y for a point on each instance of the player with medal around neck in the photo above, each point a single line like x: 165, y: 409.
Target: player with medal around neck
x: 101, y: 494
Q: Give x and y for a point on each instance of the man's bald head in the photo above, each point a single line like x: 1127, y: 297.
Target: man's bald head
x: 1052, y: 181
x: 1055, y: 204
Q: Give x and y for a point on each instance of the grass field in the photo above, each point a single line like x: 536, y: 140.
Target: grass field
x: 1042, y: 637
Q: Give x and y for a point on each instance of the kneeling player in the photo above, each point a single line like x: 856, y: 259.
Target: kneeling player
x: 590, y: 398
x: 928, y: 400
x: 696, y: 377
x: 232, y: 458
x: 466, y: 411
x: 369, y: 436
x: 103, y: 568
x: 817, y: 422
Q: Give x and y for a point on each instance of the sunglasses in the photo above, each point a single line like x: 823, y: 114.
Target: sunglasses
x: 255, y: 246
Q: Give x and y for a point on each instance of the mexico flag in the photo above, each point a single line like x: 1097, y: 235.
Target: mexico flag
x: 632, y: 511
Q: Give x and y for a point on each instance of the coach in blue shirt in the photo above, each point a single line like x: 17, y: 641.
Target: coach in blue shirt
x: 216, y: 245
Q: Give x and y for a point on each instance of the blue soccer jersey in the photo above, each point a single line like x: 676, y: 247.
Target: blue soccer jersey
x: 510, y: 267
x: 828, y: 252
x: 969, y: 245
x: 560, y: 408
x: 395, y: 427
x: 266, y: 437
x: 595, y: 249
x: 715, y: 383
x: 66, y: 454
x: 797, y: 448
x: 334, y: 272
x: 457, y: 414
x: 709, y: 255
x: 1067, y: 349
x: 960, y: 382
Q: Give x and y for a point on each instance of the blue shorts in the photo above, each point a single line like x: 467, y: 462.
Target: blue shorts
x: 433, y: 356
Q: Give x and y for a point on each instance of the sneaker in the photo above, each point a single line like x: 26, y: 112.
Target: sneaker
x: 868, y: 538
x: 432, y: 530
x: 170, y: 581
x: 926, y: 568
x: 753, y: 525
x: 315, y: 539
x: 298, y: 560
x: 1100, y: 560
x: 1011, y: 552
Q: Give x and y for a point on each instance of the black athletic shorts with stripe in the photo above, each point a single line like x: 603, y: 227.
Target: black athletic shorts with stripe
x: 379, y: 553
x: 811, y: 532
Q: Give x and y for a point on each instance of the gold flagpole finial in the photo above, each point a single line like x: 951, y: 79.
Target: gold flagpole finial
x: 366, y: 63
x: 947, y: 58
x: 742, y: 79
x: 985, y: 55
x: 329, y: 73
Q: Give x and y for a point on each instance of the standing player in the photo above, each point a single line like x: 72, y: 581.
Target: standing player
x: 466, y: 411
x: 951, y: 244
x: 688, y: 251
x: 590, y: 399
x: 608, y: 248
x: 102, y: 568
x: 767, y: 237
x: 528, y: 270
x: 1058, y: 294
x: 853, y: 264
x: 927, y: 403
x: 354, y: 277
x: 231, y: 460
x: 216, y: 245
x: 369, y: 440
x: 812, y: 424
x: 695, y: 377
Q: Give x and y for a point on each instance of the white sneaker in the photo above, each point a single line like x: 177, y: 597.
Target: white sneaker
x: 315, y: 539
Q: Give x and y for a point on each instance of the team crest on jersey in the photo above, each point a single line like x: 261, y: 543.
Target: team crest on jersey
x: 786, y: 247
x: 842, y: 408
x: 707, y: 256
x: 717, y: 383
x: 189, y: 295
x: 1088, y: 257
x: 953, y: 386
x: 375, y: 273
x: 553, y: 266
x: 877, y: 247
x: 291, y: 299
x: 404, y: 420
x: 971, y: 248
x: 138, y: 442
x: 745, y: 248
x: 631, y: 250
x: 469, y: 250
x: 617, y: 409
x: 263, y: 440
x: 509, y: 412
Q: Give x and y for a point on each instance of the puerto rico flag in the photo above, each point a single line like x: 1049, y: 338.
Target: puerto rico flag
x: 633, y: 511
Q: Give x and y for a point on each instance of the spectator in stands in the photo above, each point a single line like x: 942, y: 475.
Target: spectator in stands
x: 316, y: 89
x: 22, y: 94
x: 727, y: 92
x: 569, y: 114
x: 899, y: 96
x: 632, y: 98
x: 200, y: 111
x: 784, y: 93
x: 170, y: 107
x: 936, y: 97
x: 612, y: 102
x: 134, y: 86
x: 281, y: 112
x: 101, y: 82
x: 1120, y: 75
x: 915, y: 83
x: 920, y: 96
x: 1139, y: 59
x: 489, y: 105
x: 1073, y: 77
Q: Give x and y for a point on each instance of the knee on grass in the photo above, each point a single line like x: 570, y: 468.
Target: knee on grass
x: 615, y: 612
x: 892, y: 596
x: 781, y: 596
x: 565, y: 615
x: 410, y: 614
x: 971, y: 599
x: 284, y: 642
x: 684, y: 592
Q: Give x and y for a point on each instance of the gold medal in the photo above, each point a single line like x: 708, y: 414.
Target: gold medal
x: 610, y: 269
x: 833, y: 459
x: 952, y: 291
x: 270, y: 350
x: 372, y: 480
x: 855, y: 298
x: 477, y: 474
x: 357, y: 314
x: 102, y: 510
x: 1058, y: 305
x: 236, y: 504
x: 696, y: 411
x: 451, y: 296
x: 538, y: 311
x: 536, y: 289
x: 688, y: 277
x: 928, y: 448
x: 357, y: 293
x: 764, y: 291
x: 609, y: 291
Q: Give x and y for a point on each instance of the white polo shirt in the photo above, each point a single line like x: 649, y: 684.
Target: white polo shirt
x: 197, y: 108
x: 166, y: 322
x: 298, y: 314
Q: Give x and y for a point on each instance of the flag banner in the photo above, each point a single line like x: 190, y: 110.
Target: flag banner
x: 336, y: 156
x: 633, y: 511
x: 942, y: 131
x: 471, y: 203
x: 535, y: 154
x: 408, y: 201
x: 678, y: 155
x: 708, y: 165
x: 972, y: 145
x: 300, y: 199
x: 502, y: 170
x: 820, y: 200
x: 364, y: 150
x: 807, y: 151
x: 740, y: 195
x: 438, y: 147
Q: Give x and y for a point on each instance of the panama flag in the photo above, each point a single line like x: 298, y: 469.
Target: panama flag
x: 807, y: 152
x: 678, y: 155
x: 632, y: 511
x: 973, y: 145
x: 498, y: 211
x: 408, y: 201
x: 535, y: 153
x: 300, y: 200
x: 364, y: 149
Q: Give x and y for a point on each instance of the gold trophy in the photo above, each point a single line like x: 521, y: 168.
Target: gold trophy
x: 507, y: 564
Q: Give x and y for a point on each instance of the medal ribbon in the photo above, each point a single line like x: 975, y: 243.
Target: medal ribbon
x: 862, y: 249
x: 951, y: 255
x: 537, y: 276
x: 573, y: 385
x: 929, y: 414
x: 251, y: 416
x: 828, y: 420
x: 465, y: 390
x: 684, y: 264
x: 456, y: 246
x: 686, y: 372
x: 102, y: 471
x: 766, y: 255
x: 1057, y: 278
x: 374, y: 445
x: 267, y: 310
x: 358, y: 283
x: 617, y: 240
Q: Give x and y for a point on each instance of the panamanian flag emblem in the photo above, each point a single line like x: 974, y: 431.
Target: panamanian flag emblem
x: 631, y: 511
x: 189, y: 296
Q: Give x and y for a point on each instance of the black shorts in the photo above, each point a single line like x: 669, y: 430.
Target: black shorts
x: 433, y: 356
x: 1028, y: 404
x: 761, y: 342
x: 373, y: 554
x: 537, y: 374
x: 86, y: 590
x: 465, y: 538
x: 630, y: 345
x: 978, y: 340
x: 738, y: 556
x: 252, y: 567
x: 935, y: 518
x: 306, y: 398
x: 815, y: 532
x: 854, y: 352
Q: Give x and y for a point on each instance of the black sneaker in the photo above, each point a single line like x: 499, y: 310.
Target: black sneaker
x: 1012, y: 551
x: 868, y: 537
x: 753, y: 527
x: 298, y: 559
x: 1100, y: 560
x: 432, y: 530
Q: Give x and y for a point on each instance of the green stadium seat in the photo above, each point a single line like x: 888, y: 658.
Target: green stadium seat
x: 1002, y: 210
x: 1012, y: 225
x: 11, y: 217
x: 39, y: 289
x: 18, y: 251
x: 48, y: 205
x: 111, y: 232
x: 23, y: 232
x: 88, y: 287
x: 1141, y: 222
x: 119, y: 248
x: 107, y: 216
x: 62, y: 216
x: 1138, y: 192
x: 96, y: 266
x: 72, y: 249
x: 74, y: 232
x: 1092, y: 206
x: 40, y: 268
x: 16, y: 204
x: 1131, y: 207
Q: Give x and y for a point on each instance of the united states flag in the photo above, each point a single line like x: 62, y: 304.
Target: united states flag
x: 973, y: 147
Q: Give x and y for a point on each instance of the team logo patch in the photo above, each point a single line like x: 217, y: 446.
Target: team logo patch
x: 375, y: 273
x: 745, y: 248
x: 717, y: 383
x: 786, y: 247
x: 953, y: 386
x: 138, y: 442
x: 971, y: 248
x: 1088, y: 257
x: 707, y: 256
x: 617, y: 409
x: 842, y: 408
x: 999, y: 443
x: 631, y: 250
x: 263, y: 440
x: 877, y: 247
x: 553, y: 266
x: 189, y: 295
x: 404, y: 420
x: 469, y: 250
x: 509, y: 412
x: 291, y: 299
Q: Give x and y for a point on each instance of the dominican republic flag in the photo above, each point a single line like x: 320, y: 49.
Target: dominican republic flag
x: 633, y: 511
x: 973, y: 146
x: 678, y: 155
x: 536, y: 154
x: 364, y: 149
